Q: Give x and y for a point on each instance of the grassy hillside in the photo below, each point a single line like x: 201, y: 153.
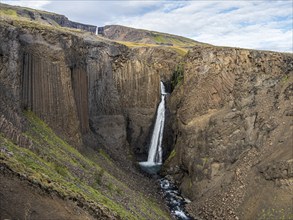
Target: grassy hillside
x: 57, y: 167
x: 10, y: 15
x: 42, y: 17
x: 163, y: 38
x: 122, y: 33
x: 180, y: 50
x: 133, y: 37
x: 15, y: 12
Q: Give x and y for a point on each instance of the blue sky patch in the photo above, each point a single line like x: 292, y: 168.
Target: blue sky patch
x: 228, y: 10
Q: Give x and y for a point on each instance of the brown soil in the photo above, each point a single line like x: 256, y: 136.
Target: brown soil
x: 19, y: 199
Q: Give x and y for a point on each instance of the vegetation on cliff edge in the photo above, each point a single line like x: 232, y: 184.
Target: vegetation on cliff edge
x: 177, y: 76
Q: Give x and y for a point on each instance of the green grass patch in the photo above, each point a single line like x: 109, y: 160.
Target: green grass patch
x: 272, y: 214
x: 134, y: 44
x: 98, y: 176
x: 8, y: 12
x: 27, y: 23
x: 171, y: 156
x: 160, y: 39
x: 181, y: 51
x: 178, y: 75
x: 105, y: 155
x: 178, y: 41
x: 205, y: 160
x: 57, y: 166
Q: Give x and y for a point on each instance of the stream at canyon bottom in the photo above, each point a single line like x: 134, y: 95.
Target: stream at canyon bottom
x: 174, y: 200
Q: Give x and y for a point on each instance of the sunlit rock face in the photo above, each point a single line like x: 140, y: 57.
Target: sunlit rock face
x: 233, y: 118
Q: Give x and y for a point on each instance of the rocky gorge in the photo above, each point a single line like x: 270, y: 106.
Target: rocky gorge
x: 233, y: 133
x: 82, y: 107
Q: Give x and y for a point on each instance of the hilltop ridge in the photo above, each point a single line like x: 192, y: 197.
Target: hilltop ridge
x: 123, y: 33
x: 43, y: 17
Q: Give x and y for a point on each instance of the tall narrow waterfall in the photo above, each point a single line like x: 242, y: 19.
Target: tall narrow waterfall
x: 155, y: 150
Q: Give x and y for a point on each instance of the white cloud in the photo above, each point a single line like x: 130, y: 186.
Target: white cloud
x: 29, y: 4
x: 250, y: 24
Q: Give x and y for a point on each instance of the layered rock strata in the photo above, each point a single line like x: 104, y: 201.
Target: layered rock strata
x: 232, y: 122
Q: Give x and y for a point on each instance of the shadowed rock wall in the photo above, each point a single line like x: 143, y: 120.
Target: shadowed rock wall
x: 36, y: 76
x: 84, y: 85
x: 137, y: 78
x: 79, y: 81
x: 47, y: 91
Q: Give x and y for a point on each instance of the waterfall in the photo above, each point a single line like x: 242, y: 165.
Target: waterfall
x: 155, y: 149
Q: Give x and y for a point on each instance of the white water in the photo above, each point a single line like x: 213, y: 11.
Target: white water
x: 174, y: 200
x: 155, y: 150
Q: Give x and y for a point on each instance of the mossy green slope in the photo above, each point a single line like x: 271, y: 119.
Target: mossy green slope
x: 133, y: 37
x: 57, y: 167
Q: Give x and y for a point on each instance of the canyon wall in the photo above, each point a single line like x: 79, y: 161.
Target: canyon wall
x: 37, y: 75
x: 230, y: 118
x: 66, y: 80
x: 46, y: 72
x: 233, y: 133
x: 70, y: 80
x: 85, y: 88
x: 137, y: 79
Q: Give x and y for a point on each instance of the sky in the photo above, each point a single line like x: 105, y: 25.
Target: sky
x: 255, y: 24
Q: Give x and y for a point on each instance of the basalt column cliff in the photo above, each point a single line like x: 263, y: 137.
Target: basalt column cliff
x: 62, y: 90
x: 77, y: 111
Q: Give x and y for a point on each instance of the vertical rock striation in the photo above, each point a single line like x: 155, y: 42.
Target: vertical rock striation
x: 137, y: 78
x: 40, y: 81
x: 83, y: 85
x: 47, y: 91
x: 79, y: 80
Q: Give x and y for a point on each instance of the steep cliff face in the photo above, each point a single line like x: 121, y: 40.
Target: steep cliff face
x: 68, y: 80
x: 137, y: 79
x: 233, y: 133
x: 230, y: 120
x: 81, y: 85
x: 65, y: 79
x: 41, y: 78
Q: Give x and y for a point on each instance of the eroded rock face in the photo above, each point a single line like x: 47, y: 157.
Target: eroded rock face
x: 232, y: 115
x: 40, y: 79
x: 82, y: 85
x: 137, y: 79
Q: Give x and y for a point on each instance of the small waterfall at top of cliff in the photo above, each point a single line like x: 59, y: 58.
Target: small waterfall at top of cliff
x: 154, y: 162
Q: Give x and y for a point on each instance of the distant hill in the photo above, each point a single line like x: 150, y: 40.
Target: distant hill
x: 122, y: 33
x: 42, y: 17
